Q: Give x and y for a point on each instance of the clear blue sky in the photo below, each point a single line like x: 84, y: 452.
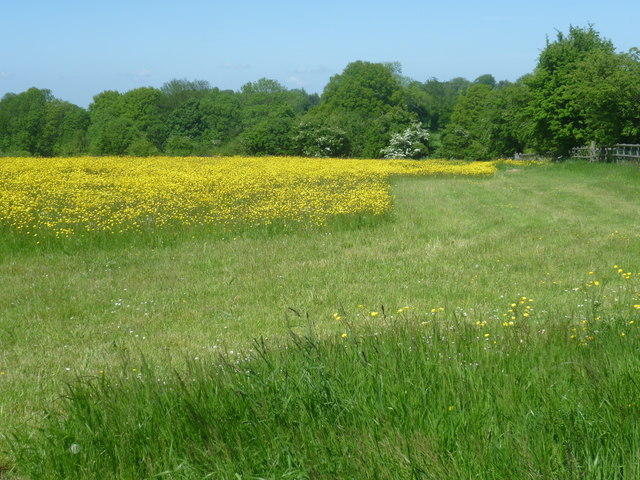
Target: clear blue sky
x: 80, y: 48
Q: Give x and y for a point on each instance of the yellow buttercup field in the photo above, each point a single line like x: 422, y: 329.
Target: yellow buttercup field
x: 69, y: 197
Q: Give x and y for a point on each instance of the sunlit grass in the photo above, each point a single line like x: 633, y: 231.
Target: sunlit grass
x: 398, y: 396
x: 472, y: 247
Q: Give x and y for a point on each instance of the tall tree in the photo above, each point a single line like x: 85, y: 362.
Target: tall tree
x: 606, y: 91
x: 506, y: 121
x: 34, y: 122
x: 465, y: 137
x: 365, y: 88
x: 363, y: 106
x: 179, y: 91
x: 444, y: 96
x: 129, y: 123
x: 560, y: 120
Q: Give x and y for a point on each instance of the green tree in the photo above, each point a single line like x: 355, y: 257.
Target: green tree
x: 443, y: 98
x: 506, y: 123
x: 134, y: 119
x: 365, y: 88
x: 268, y: 114
x: 185, y: 128
x: 34, y: 122
x: 366, y: 104
x: 486, y: 79
x: 65, y: 129
x: 465, y: 137
x: 560, y: 120
x: 108, y: 133
x: 273, y: 135
x: 222, y: 118
x: 112, y: 136
x: 606, y: 92
x: 179, y: 91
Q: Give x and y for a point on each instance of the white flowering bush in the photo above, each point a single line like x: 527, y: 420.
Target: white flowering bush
x: 413, y: 142
x: 318, y: 140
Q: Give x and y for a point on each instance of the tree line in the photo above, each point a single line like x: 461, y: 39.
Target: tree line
x: 581, y: 90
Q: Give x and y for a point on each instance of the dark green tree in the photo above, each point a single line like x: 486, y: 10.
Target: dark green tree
x: 35, y: 123
x: 267, y: 116
x: 132, y: 119
x: 486, y: 79
x: 506, y: 122
x: 465, y: 137
x: 273, y: 135
x: 443, y: 98
x: 179, y: 91
x: 367, y: 104
x: 222, y: 118
x: 65, y: 129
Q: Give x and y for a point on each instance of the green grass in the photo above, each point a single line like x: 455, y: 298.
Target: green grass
x: 470, y: 246
x: 437, y: 401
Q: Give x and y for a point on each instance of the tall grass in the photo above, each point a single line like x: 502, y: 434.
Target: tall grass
x: 70, y: 311
x: 439, y: 399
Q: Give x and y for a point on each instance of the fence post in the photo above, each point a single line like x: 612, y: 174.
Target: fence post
x: 592, y: 152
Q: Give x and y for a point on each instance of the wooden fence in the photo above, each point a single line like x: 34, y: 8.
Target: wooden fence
x: 532, y: 156
x: 620, y: 152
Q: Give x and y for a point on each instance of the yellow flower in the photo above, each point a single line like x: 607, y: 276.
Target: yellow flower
x: 344, y: 335
x: 373, y: 314
x: 116, y: 195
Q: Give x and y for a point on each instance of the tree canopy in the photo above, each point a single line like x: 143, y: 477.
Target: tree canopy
x: 581, y: 90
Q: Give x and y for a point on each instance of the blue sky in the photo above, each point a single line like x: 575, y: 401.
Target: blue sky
x: 80, y: 48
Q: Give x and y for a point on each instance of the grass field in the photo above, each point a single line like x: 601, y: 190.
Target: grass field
x: 388, y: 349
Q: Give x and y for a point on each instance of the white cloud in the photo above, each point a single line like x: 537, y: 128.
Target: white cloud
x: 312, y: 70
x: 295, y: 81
x: 5, y: 74
x: 144, y: 73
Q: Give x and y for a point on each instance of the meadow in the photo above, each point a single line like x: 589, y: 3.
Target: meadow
x: 448, y: 325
